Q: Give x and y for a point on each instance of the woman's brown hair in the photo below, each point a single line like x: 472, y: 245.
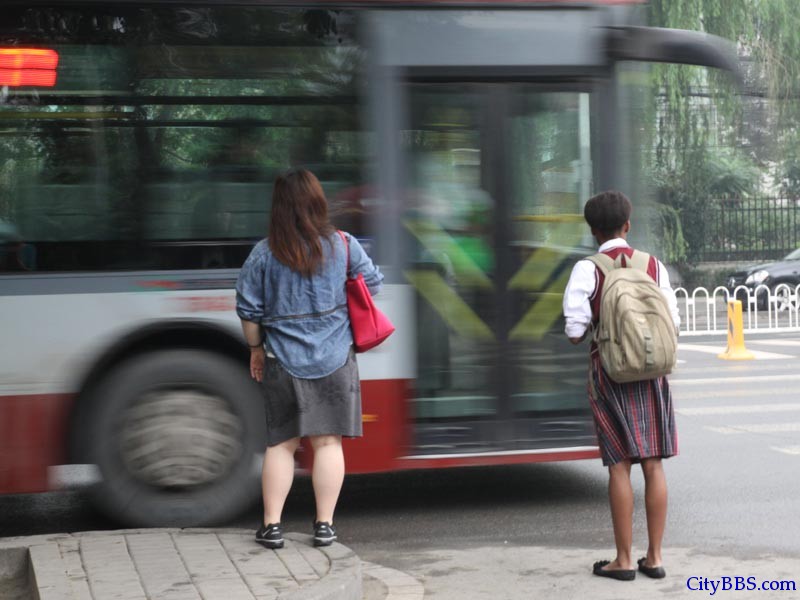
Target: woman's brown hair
x: 299, y: 219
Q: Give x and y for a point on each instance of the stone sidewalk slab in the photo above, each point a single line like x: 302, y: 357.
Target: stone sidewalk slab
x: 177, y: 564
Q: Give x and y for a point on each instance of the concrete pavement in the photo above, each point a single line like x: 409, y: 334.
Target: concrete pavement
x: 226, y: 564
x: 515, y: 572
x: 175, y: 564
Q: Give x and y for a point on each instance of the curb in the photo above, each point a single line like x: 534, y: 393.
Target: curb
x: 54, y: 567
x: 399, y: 585
x: 343, y: 580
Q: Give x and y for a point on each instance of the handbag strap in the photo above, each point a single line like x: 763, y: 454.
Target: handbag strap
x: 347, y: 250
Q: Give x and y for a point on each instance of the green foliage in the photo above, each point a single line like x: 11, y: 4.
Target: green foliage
x: 700, y: 112
x: 670, y: 232
x: 731, y: 175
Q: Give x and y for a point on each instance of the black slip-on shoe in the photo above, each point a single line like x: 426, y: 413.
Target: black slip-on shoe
x: 652, y: 572
x: 618, y: 574
x: 270, y: 536
x: 324, y: 533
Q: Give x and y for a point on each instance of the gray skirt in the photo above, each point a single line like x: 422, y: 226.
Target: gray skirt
x: 297, y: 407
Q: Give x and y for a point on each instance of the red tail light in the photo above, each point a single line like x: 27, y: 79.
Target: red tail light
x: 28, y: 58
x: 28, y: 67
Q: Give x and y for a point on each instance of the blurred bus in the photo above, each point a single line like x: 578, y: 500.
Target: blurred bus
x: 457, y: 140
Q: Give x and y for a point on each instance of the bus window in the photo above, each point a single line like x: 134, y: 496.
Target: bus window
x: 158, y: 145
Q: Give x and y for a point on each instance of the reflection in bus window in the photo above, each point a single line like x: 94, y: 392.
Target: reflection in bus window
x: 159, y: 143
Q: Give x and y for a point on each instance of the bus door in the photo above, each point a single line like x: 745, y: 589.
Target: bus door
x: 497, y: 173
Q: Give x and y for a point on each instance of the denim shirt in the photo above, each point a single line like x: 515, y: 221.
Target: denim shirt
x: 305, y: 318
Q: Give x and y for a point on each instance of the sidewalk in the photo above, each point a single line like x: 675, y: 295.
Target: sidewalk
x: 226, y: 564
x: 175, y: 564
x: 519, y: 572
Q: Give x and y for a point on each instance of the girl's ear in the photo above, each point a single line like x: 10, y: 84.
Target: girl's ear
x: 627, y: 227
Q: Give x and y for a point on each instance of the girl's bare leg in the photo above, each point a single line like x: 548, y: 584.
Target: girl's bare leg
x: 655, y: 498
x: 620, y: 496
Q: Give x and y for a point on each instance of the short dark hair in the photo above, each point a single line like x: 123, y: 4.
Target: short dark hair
x: 607, y: 212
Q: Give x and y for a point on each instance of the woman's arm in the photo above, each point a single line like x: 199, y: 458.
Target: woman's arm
x: 252, y: 334
x: 250, y: 308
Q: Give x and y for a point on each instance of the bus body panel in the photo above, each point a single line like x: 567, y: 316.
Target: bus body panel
x: 531, y: 39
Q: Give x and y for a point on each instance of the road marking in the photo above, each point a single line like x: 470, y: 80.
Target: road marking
x: 737, y: 410
x: 759, y: 354
x: 793, y: 450
x: 709, y: 394
x: 727, y: 380
x: 757, y: 428
x: 794, y: 343
x: 723, y: 430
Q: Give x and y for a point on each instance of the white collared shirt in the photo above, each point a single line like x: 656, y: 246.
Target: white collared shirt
x: 581, y: 286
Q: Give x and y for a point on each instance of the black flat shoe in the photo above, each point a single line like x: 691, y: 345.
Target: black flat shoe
x: 652, y: 572
x: 618, y: 574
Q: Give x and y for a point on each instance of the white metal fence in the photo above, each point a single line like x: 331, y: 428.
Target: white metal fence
x: 763, y: 309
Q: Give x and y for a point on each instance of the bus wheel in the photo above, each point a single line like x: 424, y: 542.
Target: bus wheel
x: 174, y: 434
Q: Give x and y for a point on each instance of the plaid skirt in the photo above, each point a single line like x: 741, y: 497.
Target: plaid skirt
x: 633, y: 420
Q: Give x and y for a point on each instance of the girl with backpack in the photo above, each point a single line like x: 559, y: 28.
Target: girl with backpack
x: 633, y: 314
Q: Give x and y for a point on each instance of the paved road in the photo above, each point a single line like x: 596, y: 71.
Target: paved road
x: 734, y: 488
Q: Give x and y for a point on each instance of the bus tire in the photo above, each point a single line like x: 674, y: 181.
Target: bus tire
x: 174, y: 435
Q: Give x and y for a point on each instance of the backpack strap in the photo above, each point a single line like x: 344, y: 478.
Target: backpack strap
x: 639, y: 260
x: 603, y: 262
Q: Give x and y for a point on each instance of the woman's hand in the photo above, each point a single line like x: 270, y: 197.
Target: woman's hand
x: 257, y: 359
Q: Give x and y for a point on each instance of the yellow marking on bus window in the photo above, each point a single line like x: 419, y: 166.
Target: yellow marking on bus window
x: 540, y: 318
x: 454, y: 311
x: 369, y: 418
x: 445, y: 251
x: 537, y: 270
x: 564, y: 218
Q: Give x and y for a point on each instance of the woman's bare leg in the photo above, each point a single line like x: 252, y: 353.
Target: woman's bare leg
x: 276, y: 478
x: 655, y: 498
x: 327, y: 474
x: 620, y: 496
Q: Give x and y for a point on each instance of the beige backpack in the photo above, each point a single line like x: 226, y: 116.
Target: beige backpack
x: 635, y: 335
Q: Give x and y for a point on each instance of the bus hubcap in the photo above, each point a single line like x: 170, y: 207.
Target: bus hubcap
x: 180, y: 438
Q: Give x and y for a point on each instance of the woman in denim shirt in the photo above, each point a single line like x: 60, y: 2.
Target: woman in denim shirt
x: 291, y: 298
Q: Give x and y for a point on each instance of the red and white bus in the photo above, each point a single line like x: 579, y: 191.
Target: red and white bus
x: 458, y: 140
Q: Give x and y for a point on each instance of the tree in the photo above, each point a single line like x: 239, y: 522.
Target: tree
x: 712, y: 140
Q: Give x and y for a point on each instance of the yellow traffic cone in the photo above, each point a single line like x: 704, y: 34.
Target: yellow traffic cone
x: 736, y: 349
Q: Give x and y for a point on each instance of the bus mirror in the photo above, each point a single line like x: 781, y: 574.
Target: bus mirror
x: 652, y: 44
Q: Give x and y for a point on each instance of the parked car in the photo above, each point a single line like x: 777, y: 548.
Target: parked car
x: 770, y: 275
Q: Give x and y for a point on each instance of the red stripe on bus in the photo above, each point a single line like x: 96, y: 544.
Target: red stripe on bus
x: 500, y: 459
x: 32, y: 438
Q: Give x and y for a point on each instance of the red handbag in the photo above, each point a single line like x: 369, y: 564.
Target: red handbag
x: 369, y: 325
